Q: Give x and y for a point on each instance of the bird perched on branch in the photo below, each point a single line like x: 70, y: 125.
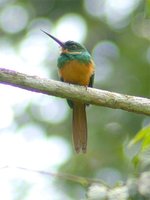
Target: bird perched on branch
x: 76, y: 66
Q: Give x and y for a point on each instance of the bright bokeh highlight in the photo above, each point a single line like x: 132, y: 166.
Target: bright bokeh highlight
x: 104, y: 53
x: 71, y: 27
x: 13, y: 18
x: 116, y: 14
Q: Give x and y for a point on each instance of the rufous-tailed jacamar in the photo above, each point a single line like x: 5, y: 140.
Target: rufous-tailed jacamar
x: 76, y: 66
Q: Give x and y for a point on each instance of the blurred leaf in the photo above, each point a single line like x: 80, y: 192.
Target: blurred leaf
x: 142, y: 136
x: 136, y: 161
x: 142, y: 156
x: 147, y: 8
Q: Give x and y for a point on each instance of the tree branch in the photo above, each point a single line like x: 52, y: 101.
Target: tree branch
x: 64, y: 176
x: 74, y: 92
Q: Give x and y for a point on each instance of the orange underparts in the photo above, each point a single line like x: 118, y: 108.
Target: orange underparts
x: 77, y: 72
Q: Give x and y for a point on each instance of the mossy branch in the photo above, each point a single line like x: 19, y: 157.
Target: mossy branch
x: 74, y: 92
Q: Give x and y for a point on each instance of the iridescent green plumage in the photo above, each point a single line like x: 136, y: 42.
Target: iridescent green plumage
x: 83, y: 57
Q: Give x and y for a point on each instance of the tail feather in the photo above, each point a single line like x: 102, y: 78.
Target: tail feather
x: 79, y: 124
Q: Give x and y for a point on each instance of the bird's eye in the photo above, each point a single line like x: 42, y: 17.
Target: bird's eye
x: 74, y: 46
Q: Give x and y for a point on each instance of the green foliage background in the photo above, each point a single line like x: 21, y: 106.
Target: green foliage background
x: 109, y: 130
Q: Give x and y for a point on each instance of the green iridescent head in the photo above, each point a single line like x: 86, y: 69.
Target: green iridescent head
x: 73, y: 46
x: 69, y: 46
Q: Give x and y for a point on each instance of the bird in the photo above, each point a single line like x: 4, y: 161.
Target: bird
x: 76, y: 66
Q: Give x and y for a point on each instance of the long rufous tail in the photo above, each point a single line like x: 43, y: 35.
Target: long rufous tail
x: 79, y: 125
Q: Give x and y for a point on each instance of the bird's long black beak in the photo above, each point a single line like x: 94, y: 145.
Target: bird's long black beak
x: 58, y: 41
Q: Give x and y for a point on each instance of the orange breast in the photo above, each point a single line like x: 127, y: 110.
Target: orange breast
x: 76, y: 72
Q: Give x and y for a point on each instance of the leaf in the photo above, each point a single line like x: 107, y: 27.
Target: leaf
x: 142, y: 136
x: 146, y: 142
x: 147, y: 8
x: 136, y: 161
x: 142, y: 156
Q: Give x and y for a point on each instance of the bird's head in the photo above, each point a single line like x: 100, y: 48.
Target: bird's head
x: 69, y: 46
